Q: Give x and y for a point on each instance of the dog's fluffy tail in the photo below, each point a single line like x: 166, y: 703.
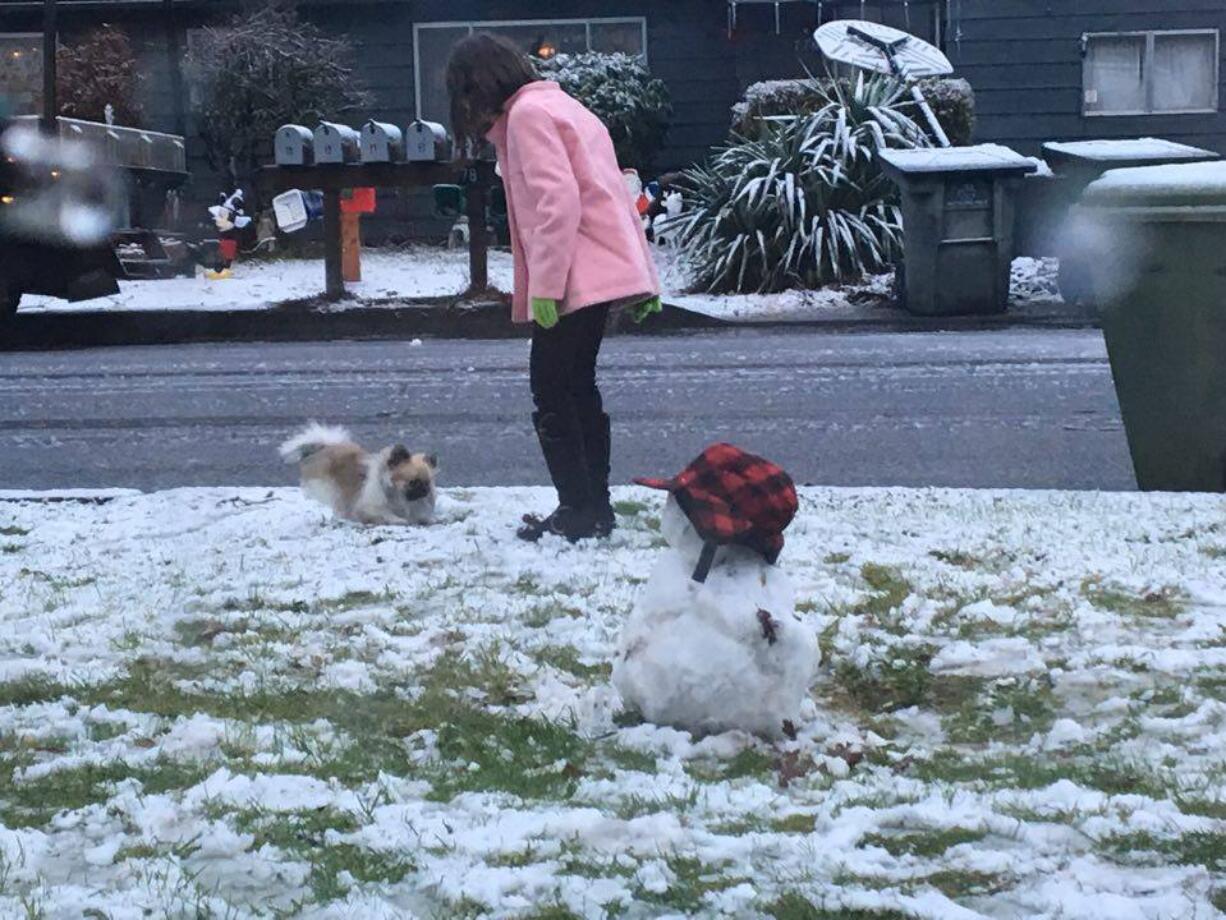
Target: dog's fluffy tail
x: 310, y: 440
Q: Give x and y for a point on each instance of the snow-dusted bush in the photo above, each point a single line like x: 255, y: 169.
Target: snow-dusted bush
x: 620, y: 90
x: 772, y: 98
x: 952, y: 101
x: 804, y: 204
x: 261, y: 70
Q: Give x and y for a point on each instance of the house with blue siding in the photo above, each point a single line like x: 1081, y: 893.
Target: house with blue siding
x: 1041, y: 69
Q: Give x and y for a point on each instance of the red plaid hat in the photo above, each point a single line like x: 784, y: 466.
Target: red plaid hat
x: 733, y: 497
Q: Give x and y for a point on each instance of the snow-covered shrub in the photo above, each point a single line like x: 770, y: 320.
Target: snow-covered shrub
x: 620, y: 90
x: 952, y: 101
x: 99, y: 70
x: 772, y: 98
x: 261, y: 70
x: 806, y: 203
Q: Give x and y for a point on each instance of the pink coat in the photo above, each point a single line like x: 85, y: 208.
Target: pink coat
x: 575, y: 234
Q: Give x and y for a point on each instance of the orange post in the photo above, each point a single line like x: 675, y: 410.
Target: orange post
x: 351, y: 246
x: 354, y: 204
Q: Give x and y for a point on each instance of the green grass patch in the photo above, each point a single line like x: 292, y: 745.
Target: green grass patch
x: 795, y: 824
x: 749, y: 762
x: 922, y: 843
x: 1086, y: 767
x: 901, y: 679
x: 1213, y: 552
x: 566, y: 658
x: 837, y: 558
x: 1206, y: 808
x: 32, y: 689
x: 793, y: 906
x: 629, y: 508
x: 1009, y: 710
x: 11, y: 549
x: 32, y: 803
x: 625, y: 758
x: 958, y: 559
x: 1165, y: 604
x: 542, y: 615
x: 693, y: 880
x: 363, y: 865
x: 636, y: 806
x: 294, y: 831
x: 887, y: 590
x: 1196, y: 848
x: 965, y: 883
x: 13, y: 530
x: 553, y: 912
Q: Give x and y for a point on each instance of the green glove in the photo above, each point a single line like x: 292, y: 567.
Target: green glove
x: 646, y: 308
x: 545, y: 312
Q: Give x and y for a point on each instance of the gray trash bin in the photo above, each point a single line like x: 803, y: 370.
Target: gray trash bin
x: 1078, y: 163
x: 1159, y: 266
x: 957, y: 205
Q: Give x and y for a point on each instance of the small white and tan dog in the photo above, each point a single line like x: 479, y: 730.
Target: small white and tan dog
x: 393, y: 486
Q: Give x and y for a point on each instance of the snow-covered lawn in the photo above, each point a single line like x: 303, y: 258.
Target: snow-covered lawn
x: 219, y: 703
x: 425, y: 272
x: 418, y: 272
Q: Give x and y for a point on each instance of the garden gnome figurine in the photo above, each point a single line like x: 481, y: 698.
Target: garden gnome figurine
x: 714, y: 643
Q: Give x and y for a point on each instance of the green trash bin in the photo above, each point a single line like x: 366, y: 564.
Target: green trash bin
x: 958, y: 226
x: 1159, y: 267
x: 1078, y: 163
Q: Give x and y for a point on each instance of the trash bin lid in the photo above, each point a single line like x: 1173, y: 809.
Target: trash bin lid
x: 1137, y: 151
x: 1173, y: 185
x: 984, y: 158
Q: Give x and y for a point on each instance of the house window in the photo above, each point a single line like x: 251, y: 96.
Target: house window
x: 21, y: 72
x: 1149, y: 73
x: 544, y: 37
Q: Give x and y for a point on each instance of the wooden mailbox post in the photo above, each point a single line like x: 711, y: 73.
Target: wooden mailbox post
x: 334, y: 179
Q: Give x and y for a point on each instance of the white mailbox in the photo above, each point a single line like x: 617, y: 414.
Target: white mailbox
x: 337, y: 143
x: 295, y: 146
x: 382, y: 143
x: 427, y: 142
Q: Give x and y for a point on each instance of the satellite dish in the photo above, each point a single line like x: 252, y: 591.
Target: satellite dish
x: 881, y: 49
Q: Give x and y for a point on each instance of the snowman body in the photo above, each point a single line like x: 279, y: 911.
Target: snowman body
x: 726, y: 654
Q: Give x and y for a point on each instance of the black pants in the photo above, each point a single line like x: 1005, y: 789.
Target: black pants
x: 570, y: 418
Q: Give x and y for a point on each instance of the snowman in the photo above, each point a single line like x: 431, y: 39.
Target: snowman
x: 714, y: 643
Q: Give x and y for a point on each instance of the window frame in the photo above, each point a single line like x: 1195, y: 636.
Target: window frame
x: 38, y: 37
x: 473, y: 24
x: 1150, y: 36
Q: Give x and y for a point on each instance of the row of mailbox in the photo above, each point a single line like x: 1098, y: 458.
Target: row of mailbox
x: 375, y: 142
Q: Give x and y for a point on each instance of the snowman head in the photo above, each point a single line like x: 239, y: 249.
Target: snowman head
x: 726, y: 498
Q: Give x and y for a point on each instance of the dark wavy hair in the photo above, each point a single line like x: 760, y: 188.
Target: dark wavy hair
x: 484, y: 71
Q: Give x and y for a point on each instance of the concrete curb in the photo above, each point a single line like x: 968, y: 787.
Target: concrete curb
x: 305, y: 322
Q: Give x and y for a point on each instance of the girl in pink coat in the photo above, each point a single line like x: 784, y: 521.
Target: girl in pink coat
x: 579, y: 251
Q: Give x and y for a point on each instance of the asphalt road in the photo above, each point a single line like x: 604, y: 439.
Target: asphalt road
x: 1014, y: 408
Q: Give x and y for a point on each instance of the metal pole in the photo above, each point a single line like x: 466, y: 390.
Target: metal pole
x: 334, y: 280
x: 50, y: 106
x: 478, y: 237
x: 174, y: 55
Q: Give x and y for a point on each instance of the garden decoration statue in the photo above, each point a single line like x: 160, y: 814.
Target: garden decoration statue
x: 232, y: 223
x: 881, y: 49
x: 714, y: 643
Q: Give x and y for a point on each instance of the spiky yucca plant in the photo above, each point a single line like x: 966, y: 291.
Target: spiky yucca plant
x: 804, y: 205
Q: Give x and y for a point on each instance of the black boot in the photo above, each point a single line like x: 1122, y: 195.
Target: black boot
x: 562, y: 444
x: 597, y: 441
